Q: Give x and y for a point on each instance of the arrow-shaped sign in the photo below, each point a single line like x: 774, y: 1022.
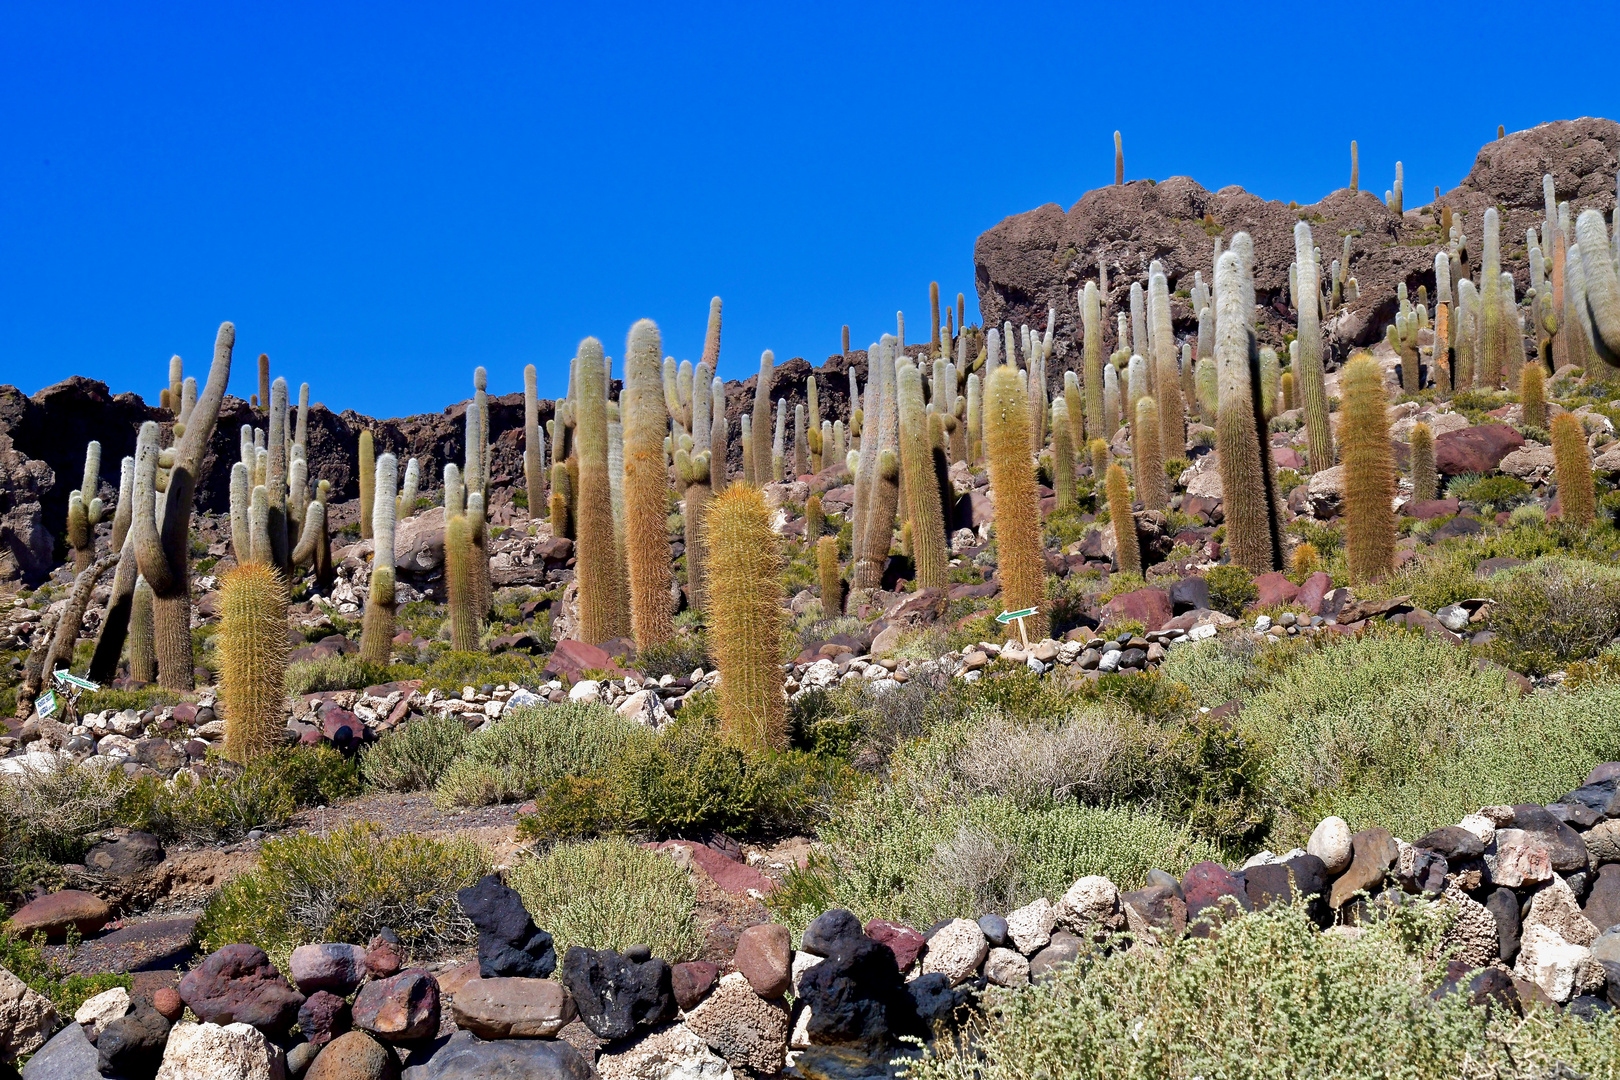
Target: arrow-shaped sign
x: 67, y: 678
x: 1019, y: 617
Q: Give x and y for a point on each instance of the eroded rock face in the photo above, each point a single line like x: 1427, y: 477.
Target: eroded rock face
x: 1037, y: 260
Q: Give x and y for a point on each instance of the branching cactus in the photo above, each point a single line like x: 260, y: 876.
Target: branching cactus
x: 115, y: 618
x: 1127, y: 548
x: 1402, y: 337
x: 1021, y: 568
x: 162, y: 543
x: 1574, y: 470
x: 746, y: 619
x: 1253, y: 532
x: 1425, y: 481
x: 646, y: 479
x: 377, y: 624
x: 928, y: 544
x: 1099, y: 455
x: 84, y: 509
x: 252, y: 650
x: 1310, y: 372
x: 1369, y: 473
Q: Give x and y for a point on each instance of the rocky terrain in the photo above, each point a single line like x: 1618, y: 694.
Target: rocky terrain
x: 732, y: 759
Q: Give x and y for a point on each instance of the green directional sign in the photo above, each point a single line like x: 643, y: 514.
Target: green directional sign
x: 1009, y: 616
x: 45, y: 705
x: 67, y: 678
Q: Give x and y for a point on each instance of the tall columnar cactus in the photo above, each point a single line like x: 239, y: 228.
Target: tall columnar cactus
x: 929, y: 550
x: 829, y: 576
x: 1600, y: 285
x: 1493, y: 329
x: 693, y: 470
x: 1148, y: 457
x: 1574, y: 470
x: 1465, y: 343
x: 1092, y: 320
x: 801, y: 443
x: 762, y: 418
x: 1369, y: 472
x: 1355, y: 167
x: 816, y: 440
x: 1166, y: 375
x: 163, y: 550
x: 377, y: 624
x: 975, y: 419
x: 84, y: 509
x: 1253, y: 531
x: 1425, y: 481
x: 1397, y: 194
x: 1127, y: 548
x: 601, y: 595
x: 142, y: 655
x: 276, y: 443
x: 719, y: 446
x: 646, y: 479
x: 880, y: 462
x: 1110, y: 401
x: 1020, y: 569
x: 367, y: 473
x: 459, y: 583
x: 1310, y: 372
x: 746, y: 619
x: 1137, y: 383
x: 252, y: 650
x: 1062, y: 454
x: 1097, y: 449
x: 815, y: 519
x: 779, y: 444
x: 1139, y: 326
x: 1119, y: 161
x: 1402, y: 338
x: 746, y: 437
x: 534, y: 446
x: 1533, y: 394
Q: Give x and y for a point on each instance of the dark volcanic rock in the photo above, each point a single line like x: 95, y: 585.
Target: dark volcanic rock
x: 615, y: 995
x: 509, y: 944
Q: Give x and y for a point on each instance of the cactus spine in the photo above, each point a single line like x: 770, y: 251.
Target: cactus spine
x: 163, y: 551
x: 1148, y: 459
x: 1253, y: 532
x: 1127, y: 549
x: 377, y: 625
x: 1166, y: 378
x: 601, y: 598
x: 831, y: 579
x: 747, y: 620
x: 928, y: 546
x: 646, y: 479
x: 1091, y: 317
x: 1533, y: 394
x: 1311, y: 375
x: 1020, y: 566
x: 1369, y: 472
x: 252, y: 648
x: 1574, y: 470
x: 1425, y: 481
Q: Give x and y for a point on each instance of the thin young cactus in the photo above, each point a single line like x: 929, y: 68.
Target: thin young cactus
x: 534, y: 446
x: 84, y: 509
x: 1533, y: 395
x: 1127, y: 547
x: 829, y: 577
x: 1091, y: 318
x: 367, y: 470
x: 1425, y: 481
x: 761, y: 425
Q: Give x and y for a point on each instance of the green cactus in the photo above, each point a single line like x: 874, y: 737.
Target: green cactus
x: 1147, y: 457
x: 692, y: 472
x: 1311, y: 374
x: 1253, y: 531
x: 1493, y: 329
x: 459, y: 584
x: 1062, y: 454
x: 1425, y: 481
x: 818, y: 431
x: 1098, y: 452
x: 377, y: 624
x: 746, y: 421
x: 84, y: 509
x: 761, y: 425
x: 1401, y: 337
x: 367, y: 471
x: 1127, y: 546
x: 1285, y: 384
x: 746, y: 618
x: 163, y: 552
x: 1574, y: 470
x: 1369, y: 472
x: 142, y: 657
x: 252, y: 651
x: 1021, y: 568
x: 1533, y: 394
x: 602, y: 614
x: 1166, y: 376
x: 534, y: 444
x: 975, y: 413
x: 929, y: 549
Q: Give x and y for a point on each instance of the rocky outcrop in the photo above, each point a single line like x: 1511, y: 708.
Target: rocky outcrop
x: 1036, y: 260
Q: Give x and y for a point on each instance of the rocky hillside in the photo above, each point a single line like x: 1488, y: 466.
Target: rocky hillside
x: 1036, y: 260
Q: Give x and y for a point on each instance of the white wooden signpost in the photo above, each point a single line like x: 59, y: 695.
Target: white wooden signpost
x: 1017, y: 616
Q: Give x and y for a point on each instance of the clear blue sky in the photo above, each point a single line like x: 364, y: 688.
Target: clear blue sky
x: 383, y: 198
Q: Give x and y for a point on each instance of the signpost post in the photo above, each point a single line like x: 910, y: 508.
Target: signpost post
x: 71, y: 686
x: 1017, y: 616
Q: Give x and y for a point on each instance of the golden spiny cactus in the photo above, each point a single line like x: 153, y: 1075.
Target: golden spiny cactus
x: 1574, y: 470
x: 1425, y: 482
x: 1533, y: 394
x: 1020, y: 566
x: 746, y: 618
x: 1369, y: 472
x: 1151, y: 482
x: 252, y: 648
x: 830, y: 577
x: 1128, y: 552
x: 646, y: 488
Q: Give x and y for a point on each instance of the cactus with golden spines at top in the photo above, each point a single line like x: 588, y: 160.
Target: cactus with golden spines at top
x: 1425, y: 480
x: 1098, y: 452
x: 1127, y: 548
x: 1573, y: 468
x: 818, y: 431
x: 1148, y: 460
x: 367, y: 470
x: 1021, y: 568
x: 1533, y: 394
x: 930, y: 552
x: 815, y: 519
x: 746, y: 619
x: 252, y: 651
x: 1286, y: 384
x: 1369, y: 472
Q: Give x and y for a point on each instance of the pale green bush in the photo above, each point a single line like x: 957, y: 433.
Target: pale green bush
x: 413, y: 757
x: 610, y: 894
x: 519, y: 754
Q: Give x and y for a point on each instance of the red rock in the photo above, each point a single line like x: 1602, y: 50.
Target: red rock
x: 1429, y: 509
x: 166, y: 1000
x: 692, y: 982
x: 1207, y: 507
x: 901, y: 940
x: 55, y: 913
x: 1275, y: 590
x: 764, y: 956
x: 1286, y: 457
x: 400, y: 1009
x: 734, y: 877
x: 238, y: 984
x: 185, y: 712
x: 1475, y: 449
x: 1150, y: 607
x: 571, y: 659
x: 1312, y: 593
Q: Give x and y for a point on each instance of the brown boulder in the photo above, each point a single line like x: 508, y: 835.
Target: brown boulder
x: 1373, y: 852
x: 764, y: 956
x: 1474, y: 449
x: 1148, y: 606
x: 1275, y: 590
x: 55, y: 913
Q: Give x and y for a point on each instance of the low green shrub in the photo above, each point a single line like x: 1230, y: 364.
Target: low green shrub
x: 264, y: 795
x: 1553, y: 611
x: 140, y: 699
x: 1231, y: 589
x: 611, y: 894
x: 1269, y: 996
x: 528, y: 748
x: 346, y: 886
x: 414, y: 756
x: 456, y: 670
x: 343, y: 672
x: 678, y: 656
x: 66, y: 990
x: 1492, y: 494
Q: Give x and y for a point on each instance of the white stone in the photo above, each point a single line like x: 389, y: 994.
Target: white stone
x: 99, y: 1011
x: 27, y: 1018
x: 1330, y: 842
x: 1004, y: 967
x: 586, y: 690
x: 1090, y: 900
x: 1262, y: 623
x: 1480, y: 826
x: 668, y: 1053
x: 212, y: 1052
x: 956, y: 950
x: 1199, y: 633
x: 1550, y: 962
x: 1030, y: 927
x: 116, y: 746
x: 521, y: 697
